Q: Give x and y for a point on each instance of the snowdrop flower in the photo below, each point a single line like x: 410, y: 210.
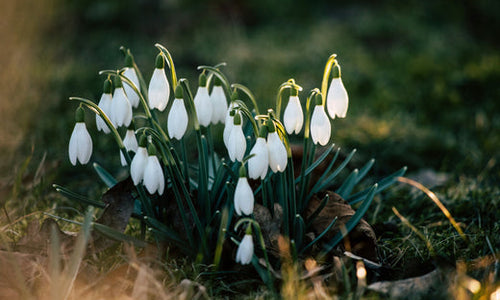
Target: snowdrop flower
x: 139, y: 161
x: 177, y: 117
x: 337, y: 99
x: 159, y: 88
x: 277, y: 150
x: 121, y: 110
x: 80, y: 143
x: 258, y: 164
x: 202, y: 102
x: 132, y: 75
x: 243, y: 195
x: 105, y: 106
x: 320, y: 124
x: 130, y: 143
x: 237, y: 143
x: 229, y: 116
x: 244, y: 253
x: 219, y: 102
x: 293, y: 117
x: 153, y: 173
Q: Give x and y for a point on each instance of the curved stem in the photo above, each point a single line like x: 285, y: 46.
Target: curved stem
x: 245, y: 90
x: 170, y: 62
x: 326, y: 75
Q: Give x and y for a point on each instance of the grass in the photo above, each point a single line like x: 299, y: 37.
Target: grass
x: 422, y: 79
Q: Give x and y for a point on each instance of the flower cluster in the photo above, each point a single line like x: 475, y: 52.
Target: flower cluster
x: 154, y: 161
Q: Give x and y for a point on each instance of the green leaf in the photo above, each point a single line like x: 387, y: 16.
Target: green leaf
x: 353, y: 221
x: 117, y: 235
x: 345, y: 189
x: 382, y: 185
x: 317, y: 162
x: 79, y: 198
x: 105, y: 176
x: 299, y: 230
x: 318, y: 210
x: 319, y: 236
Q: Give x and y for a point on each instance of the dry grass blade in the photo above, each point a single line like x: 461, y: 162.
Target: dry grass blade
x: 414, y: 229
x: 436, y: 200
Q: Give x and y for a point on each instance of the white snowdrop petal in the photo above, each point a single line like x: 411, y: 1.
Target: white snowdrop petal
x: 177, y: 119
x: 219, y: 105
x: 277, y: 152
x: 105, y: 106
x: 153, y: 176
x: 337, y: 99
x: 138, y: 165
x: 237, y: 143
x: 130, y: 143
x: 258, y: 164
x: 80, y: 144
x: 158, y: 90
x: 320, y: 126
x: 203, y: 106
x: 293, y: 117
x: 121, y: 108
x: 243, y: 197
x: 245, y: 250
x: 73, y: 146
x: 131, y: 94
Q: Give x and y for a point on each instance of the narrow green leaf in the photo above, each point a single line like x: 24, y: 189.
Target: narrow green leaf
x: 79, y: 198
x: 382, y: 185
x: 117, y: 235
x: 105, y: 176
x: 353, y: 221
x: 321, y: 205
x: 319, y: 236
x: 317, y: 162
x: 345, y: 189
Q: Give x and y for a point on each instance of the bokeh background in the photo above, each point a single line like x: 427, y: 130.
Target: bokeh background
x: 422, y: 76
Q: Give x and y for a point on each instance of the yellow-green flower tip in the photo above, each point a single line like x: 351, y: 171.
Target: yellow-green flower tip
x: 202, y: 80
x: 143, y: 141
x: 79, y: 115
x: 294, y: 92
x: 129, y: 60
x: 318, y: 99
x: 263, y: 131
x: 178, y: 92
x: 270, y: 126
x: 151, y: 149
x: 160, y: 62
x: 118, y: 82
x: 234, y: 95
x: 243, y: 171
x: 107, y: 86
x: 237, y: 119
x: 217, y: 81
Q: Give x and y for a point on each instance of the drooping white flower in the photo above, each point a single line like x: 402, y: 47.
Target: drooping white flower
x: 177, y: 119
x: 320, y: 126
x: 121, y: 110
x: 229, y: 123
x: 244, y: 253
x: 219, y: 103
x: 159, y: 88
x: 259, y: 163
x: 130, y: 143
x: 337, y: 99
x: 80, y: 143
x: 138, y: 164
x: 153, y: 175
x: 131, y: 94
x: 202, y: 102
x: 105, y: 106
x: 236, y: 144
x: 277, y: 152
x: 243, y: 197
x: 293, y: 117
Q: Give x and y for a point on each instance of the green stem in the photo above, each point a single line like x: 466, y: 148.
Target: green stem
x: 170, y: 64
x: 326, y: 75
x: 245, y: 90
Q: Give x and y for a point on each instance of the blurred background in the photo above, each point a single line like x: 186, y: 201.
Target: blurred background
x: 422, y: 76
